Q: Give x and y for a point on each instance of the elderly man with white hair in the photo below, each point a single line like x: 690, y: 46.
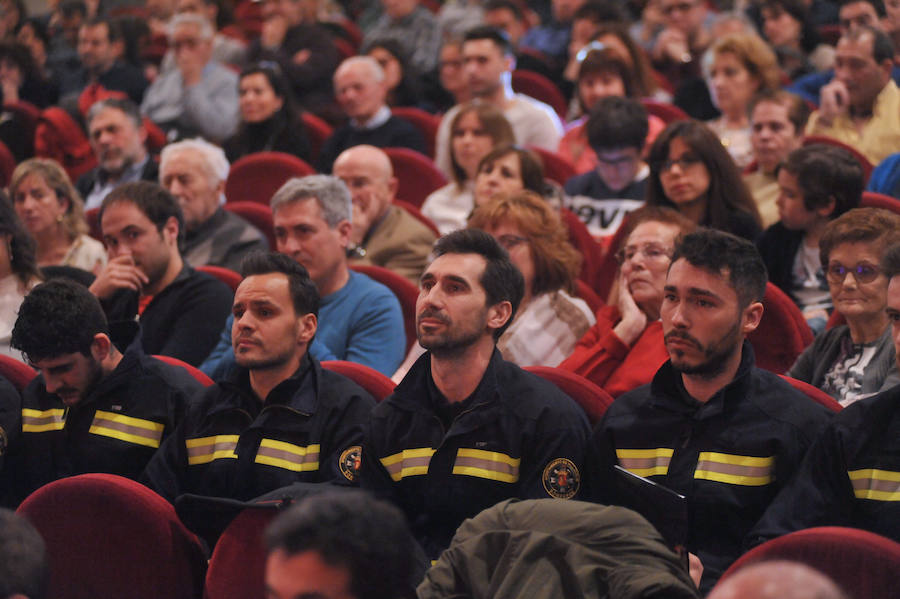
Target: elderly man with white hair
x: 194, y: 171
x: 199, y: 97
x: 361, y: 91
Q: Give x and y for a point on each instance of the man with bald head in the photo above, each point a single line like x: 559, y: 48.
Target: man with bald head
x: 383, y: 234
x: 777, y: 580
x: 361, y: 91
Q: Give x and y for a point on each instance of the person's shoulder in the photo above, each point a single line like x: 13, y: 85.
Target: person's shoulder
x: 170, y: 376
x: 777, y: 399
x: 200, y: 281
x: 409, y: 225
x: 533, y: 396
x: 366, y: 289
x: 581, y: 184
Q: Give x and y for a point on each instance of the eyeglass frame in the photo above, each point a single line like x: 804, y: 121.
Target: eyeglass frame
x: 834, y: 270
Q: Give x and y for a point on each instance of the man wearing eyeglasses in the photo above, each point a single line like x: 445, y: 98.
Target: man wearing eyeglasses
x: 850, y: 475
x: 711, y: 425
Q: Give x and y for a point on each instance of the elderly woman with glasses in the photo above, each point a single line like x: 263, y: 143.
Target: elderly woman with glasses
x: 855, y: 360
x: 625, y: 348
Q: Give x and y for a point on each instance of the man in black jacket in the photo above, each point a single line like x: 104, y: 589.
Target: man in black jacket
x: 180, y: 310
x: 99, y: 403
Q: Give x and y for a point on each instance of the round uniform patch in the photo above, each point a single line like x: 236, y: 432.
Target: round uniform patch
x: 561, y: 479
x: 349, y: 462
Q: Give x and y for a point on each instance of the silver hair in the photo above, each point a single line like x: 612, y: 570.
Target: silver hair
x: 124, y: 105
x: 213, y: 157
x: 375, y: 68
x: 206, y: 29
x: 329, y: 192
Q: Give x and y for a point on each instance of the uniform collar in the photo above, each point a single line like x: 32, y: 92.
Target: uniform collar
x: 299, y: 392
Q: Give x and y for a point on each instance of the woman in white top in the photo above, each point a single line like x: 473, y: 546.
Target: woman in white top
x: 52, y: 211
x: 18, y: 271
x: 476, y: 129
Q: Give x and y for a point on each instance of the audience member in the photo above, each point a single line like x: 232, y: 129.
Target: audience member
x: 303, y: 48
x: 99, y: 403
x: 553, y: 36
x: 489, y: 61
x: 818, y: 183
x: 466, y: 429
x: 885, y: 178
x: 414, y: 26
x: 346, y: 545
x: 10, y: 426
x: 677, y: 49
x: 615, y: 37
x: 550, y: 318
x: 62, y: 53
x: 625, y: 348
x: 586, y: 22
x: 455, y: 17
x: 199, y: 96
x: 603, y: 196
x: 194, y: 172
x: 740, y: 65
x: 359, y: 319
x: 18, y: 270
x: 100, y: 48
x: 181, y: 311
x: 508, y: 17
x: 854, y: 360
x: 789, y: 28
x: 24, y: 566
x: 270, y: 120
x: 21, y: 79
x: 400, y: 78
x: 359, y: 86
x: 712, y: 426
x: 861, y: 105
x: 281, y: 418
x: 383, y: 234
x: 475, y: 130
x: 849, y: 476
x: 119, y: 141
x: 777, y: 121
x: 453, y: 88
x: 777, y: 579
x: 692, y: 172
x: 52, y: 212
x: 225, y: 49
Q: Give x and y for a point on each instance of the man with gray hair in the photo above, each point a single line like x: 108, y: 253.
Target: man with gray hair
x: 199, y: 97
x: 194, y: 171
x: 359, y: 319
x: 777, y: 580
x: 361, y: 92
x: 118, y: 138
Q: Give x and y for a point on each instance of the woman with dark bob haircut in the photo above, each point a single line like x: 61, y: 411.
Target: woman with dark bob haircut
x: 692, y: 172
x: 18, y: 270
x: 506, y: 170
x: 270, y: 122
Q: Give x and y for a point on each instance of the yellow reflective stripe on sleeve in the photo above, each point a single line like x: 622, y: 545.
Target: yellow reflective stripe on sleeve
x: 645, y: 462
x: 409, y: 462
x: 206, y: 449
x: 127, y: 428
x: 748, y: 471
x: 492, y: 465
x: 878, y: 485
x: 41, y: 421
x: 295, y: 458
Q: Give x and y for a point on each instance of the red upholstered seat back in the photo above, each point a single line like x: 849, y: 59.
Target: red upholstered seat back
x: 592, y: 399
x: 782, y: 334
x: 256, y: 177
x: 378, y: 385
x: 237, y: 568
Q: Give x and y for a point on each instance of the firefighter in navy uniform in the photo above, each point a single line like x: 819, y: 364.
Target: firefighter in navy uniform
x: 466, y: 429
x: 282, y: 418
x: 92, y: 408
x: 851, y: 475
x: 711, y: 425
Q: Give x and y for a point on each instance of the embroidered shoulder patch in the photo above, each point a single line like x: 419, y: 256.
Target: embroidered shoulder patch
x: 561, y: 478
x: 349, y: 462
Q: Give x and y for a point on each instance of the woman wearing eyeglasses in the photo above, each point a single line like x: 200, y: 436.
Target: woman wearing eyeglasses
x: 855, y: 360
x: 625, y: 348
x: 692, y: 172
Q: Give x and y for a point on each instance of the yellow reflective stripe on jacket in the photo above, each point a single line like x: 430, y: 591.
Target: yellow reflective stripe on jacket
x: 486, y: 464
x: 295, y: 458
x: 127, y: 428
x: 206, y: 449
x: 645, y: 462
x: 41, y: 421
x: 409, y: 462
x: 743, y: 470
x: 871, y: 483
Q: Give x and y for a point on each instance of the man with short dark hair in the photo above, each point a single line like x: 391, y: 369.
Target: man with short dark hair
x: 99, y: 404
x: 280, y: 418
x: 340, y: 546
x: 861, y: 105
x: 711, y: 426
x: 24, y: 566
x: 181, y: 310
x: 100, y: 47
x: 466, y: 429
x: 119, y: 141
x: 616, y: 130
x: 850, y: 475
x: 488, y: 64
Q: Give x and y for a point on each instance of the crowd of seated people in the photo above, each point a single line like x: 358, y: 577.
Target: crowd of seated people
x: 603, y: 196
